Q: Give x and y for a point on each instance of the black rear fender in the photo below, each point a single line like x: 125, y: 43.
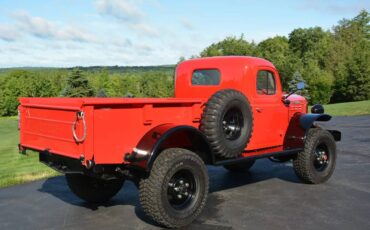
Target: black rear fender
x: 169, y: 136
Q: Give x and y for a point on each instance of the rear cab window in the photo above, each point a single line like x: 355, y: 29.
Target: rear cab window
x: 266, y: 84
x: 206, y: 77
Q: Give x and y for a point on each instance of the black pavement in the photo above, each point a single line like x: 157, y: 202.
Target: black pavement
x: 269, y: 197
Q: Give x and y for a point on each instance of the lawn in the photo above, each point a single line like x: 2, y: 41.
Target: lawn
x: 16, y: 168
x: 348, y: 109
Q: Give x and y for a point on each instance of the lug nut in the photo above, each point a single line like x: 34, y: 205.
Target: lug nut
x: 179, y: 196
x: 181, y: 181
x: 186, y: 184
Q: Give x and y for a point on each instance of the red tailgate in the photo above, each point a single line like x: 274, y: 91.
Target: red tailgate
x: 46, y: 124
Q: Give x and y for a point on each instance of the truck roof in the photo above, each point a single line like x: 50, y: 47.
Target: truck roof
x: 235, y: 72
x: 244, y: 60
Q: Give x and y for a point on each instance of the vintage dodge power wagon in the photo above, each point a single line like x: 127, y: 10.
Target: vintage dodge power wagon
x: 227, y: 111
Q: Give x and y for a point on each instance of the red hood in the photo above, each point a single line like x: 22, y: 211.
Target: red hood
x: 298, y: 103
x: 296, y: 97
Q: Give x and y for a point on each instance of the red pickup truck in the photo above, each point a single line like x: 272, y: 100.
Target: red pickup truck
x: 227, y: 111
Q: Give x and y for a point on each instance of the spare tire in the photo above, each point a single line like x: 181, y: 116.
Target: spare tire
x: 227, y: 123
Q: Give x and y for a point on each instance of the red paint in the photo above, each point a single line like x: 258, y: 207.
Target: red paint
x: 115, y: 125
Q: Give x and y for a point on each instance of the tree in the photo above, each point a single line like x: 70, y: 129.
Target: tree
x: 101, y: 93
x: 311, y: 47
x: 181, y: 59
x: 320, y: 83
x: 310, y: 44
x: 358, y: 79
x: 348, y: 59
x: 156, y: 84
x: 296, y: 78
x: 77, y: 85
x: 276, y: 50
x: 107, y: 83
x: 21, y: 83
x: 230, y: 46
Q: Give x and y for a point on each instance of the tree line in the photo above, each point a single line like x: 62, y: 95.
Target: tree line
x: 335, y: 64
x: 79, y: 83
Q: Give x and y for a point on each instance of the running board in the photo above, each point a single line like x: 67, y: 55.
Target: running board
x: 246, y: 158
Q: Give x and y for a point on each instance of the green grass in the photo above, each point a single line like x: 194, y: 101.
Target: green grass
x: 16, y: 168
x: 348, y: 109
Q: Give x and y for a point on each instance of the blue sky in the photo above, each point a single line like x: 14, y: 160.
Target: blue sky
x: 64, y: 33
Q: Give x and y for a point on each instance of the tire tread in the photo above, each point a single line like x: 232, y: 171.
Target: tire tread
x: 150, y: 188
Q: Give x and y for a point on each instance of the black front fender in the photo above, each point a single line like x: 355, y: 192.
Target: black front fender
x: 300, y: 124
x: 306, y: 121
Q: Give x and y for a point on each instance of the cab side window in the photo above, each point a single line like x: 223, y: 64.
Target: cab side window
x: 206, y: 77
x: 266, y: 83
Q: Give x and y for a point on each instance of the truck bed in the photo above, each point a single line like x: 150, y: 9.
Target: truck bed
x: 113, y: 125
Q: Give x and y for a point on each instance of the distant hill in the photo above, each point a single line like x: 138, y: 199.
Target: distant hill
x: 111, y: 69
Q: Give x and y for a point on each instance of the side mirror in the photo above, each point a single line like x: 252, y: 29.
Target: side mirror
x: 300, y: 85
x: 286, y: 102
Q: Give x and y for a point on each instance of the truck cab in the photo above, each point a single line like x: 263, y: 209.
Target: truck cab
x: 255, y: 77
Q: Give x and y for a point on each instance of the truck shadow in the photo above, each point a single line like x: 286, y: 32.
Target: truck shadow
x: 220, y: 180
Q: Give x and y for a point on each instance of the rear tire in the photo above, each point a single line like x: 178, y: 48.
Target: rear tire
x: 240, y: 167
x: 316, y: 163
x: 93, y: 190
x: 176, y: 190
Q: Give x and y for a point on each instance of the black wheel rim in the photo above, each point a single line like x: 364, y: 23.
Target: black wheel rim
x: 232, y: 123
x: 181, y: 190
x: 322, y: 158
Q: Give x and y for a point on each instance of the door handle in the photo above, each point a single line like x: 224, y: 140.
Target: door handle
x: 259, y: 110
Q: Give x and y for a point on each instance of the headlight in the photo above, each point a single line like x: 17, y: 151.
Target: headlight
x: 317, y: 109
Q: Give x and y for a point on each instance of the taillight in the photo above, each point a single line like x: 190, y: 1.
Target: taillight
x: 19, y: 119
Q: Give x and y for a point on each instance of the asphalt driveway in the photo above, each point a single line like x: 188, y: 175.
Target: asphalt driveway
x: 269, y: 197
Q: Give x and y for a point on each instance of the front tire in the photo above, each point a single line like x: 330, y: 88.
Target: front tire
x: 176, y: 190
x: 316, y: 163
x: 91, y: 189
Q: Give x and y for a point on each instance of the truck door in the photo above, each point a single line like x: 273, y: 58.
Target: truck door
x: 270, y: 113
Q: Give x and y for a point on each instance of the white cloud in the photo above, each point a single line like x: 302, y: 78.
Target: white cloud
x: 42, y: 28
x: 122, y: 9
x: 37, y: 26
x: 187, y: 24
x: 73, y: 33
x: 54, y: 42
x: 119, y: 43
x: 144, y: 28
x: 8, y: 33
x: 127, y: 12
